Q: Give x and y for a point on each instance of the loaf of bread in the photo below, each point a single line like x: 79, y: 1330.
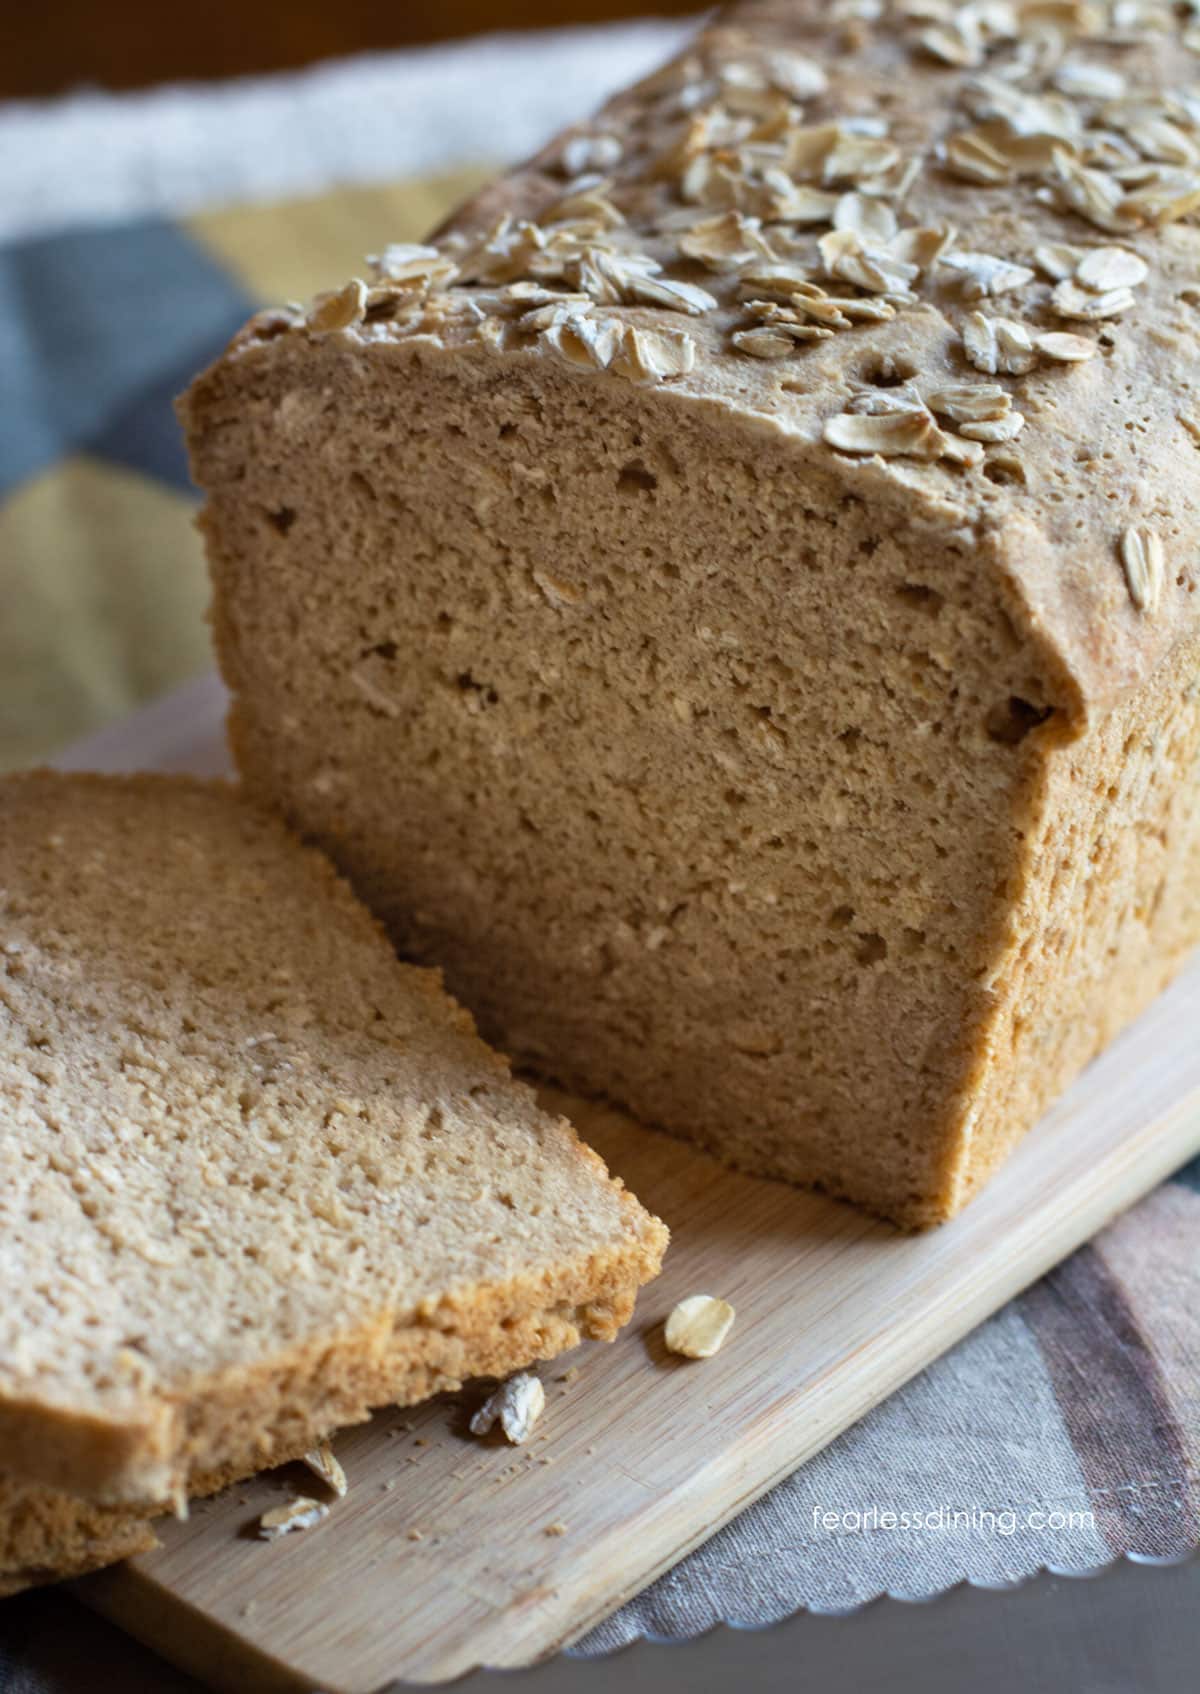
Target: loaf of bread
x: 731, y: 597
x: 258, y: 1177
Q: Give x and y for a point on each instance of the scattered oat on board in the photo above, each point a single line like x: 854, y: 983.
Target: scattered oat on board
x: 516, y: 1405
x: 322, y: 1462
x: 299, y: 1513
x: 698, y: 1326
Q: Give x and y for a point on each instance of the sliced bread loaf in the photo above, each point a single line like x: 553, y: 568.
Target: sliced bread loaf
x: 755, y: 546
x: 258, y: 1176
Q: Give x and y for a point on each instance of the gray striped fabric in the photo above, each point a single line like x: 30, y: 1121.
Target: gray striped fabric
x: 1063, y: 1432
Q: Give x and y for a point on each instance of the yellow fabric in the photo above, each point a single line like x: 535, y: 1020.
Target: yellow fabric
x: 101, y: 575
x: 104, y: 596
x: 291, y: 251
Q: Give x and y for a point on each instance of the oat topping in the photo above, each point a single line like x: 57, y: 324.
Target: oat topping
x: 408, y: 262
x: 793, y: 74
x: 1105, y: 268
x: 1144, y: 563
x: 847, y: 258
x: 1069, y: 300
x: 1057, y: 260
x: 774, y: 205
x: 606, y: 342
x: 583, y: 153
x: 1065, y: 348
x: 613, y: 279
x: 998, y: 345
x: 697, y: 1326
x: 339, y: 310
x: 901, y: 423
x: 1006, y: 428
x: 866, y: 216
x: 728, y: 242
x: 984, y: 274
x: 1081, y: 80
x: 582, y: 338
x: 971, y: 402
x: 766, y: 343
x: 1096, y: 195
x: 516, y: 1405
x: 647, y: 354
x: 910, y: 434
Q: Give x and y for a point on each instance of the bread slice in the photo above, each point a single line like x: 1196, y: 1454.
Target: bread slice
x: 46, y: 1535
x: 258, y: 1177
x: 816, y: 764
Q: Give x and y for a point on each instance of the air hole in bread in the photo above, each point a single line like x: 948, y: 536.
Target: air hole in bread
x: 1005, y: 470
x: 871, y: 949
x: 1012, y: 720
x: 921, y: 597
x: 636, y: 478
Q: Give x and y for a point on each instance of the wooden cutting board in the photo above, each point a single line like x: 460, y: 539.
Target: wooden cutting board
x: 451, y: 1552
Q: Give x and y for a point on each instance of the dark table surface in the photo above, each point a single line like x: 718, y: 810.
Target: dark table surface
x: 1132, y: 1629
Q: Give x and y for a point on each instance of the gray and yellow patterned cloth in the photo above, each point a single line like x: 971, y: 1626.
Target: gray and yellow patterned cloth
x: 1061, y: 1433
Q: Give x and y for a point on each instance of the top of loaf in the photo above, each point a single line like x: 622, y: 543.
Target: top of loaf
x: 245, y: 1150
x: 951, y: 246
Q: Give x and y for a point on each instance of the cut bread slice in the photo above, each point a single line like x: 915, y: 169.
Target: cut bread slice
x: 258, y: 1176
x: 46, y: 1535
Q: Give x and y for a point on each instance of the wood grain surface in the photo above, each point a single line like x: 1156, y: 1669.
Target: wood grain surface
x: 450, y: 1552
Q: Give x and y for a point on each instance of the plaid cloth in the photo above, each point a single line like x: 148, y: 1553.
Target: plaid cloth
x: 1082, y: 1397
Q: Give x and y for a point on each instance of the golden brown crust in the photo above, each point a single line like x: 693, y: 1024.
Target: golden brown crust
x: 47, y: 1535
x: 1121, y: 419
